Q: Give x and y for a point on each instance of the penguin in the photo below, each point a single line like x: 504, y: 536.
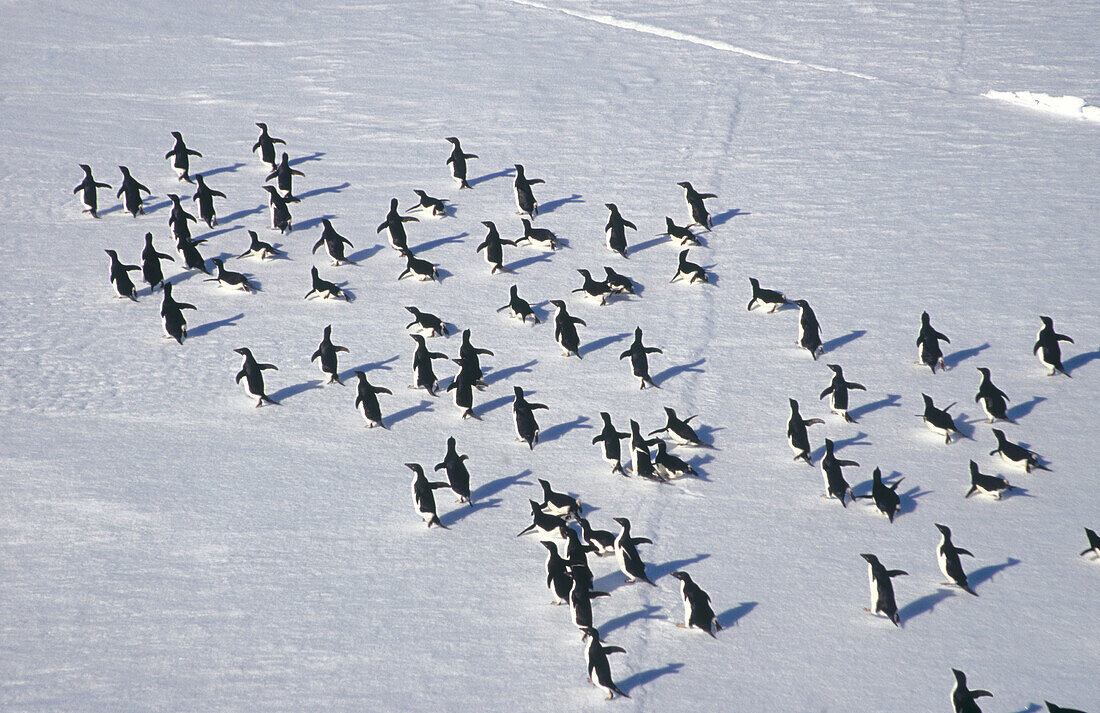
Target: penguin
x: 519, y: 307
x: 697, y: 609
x: 609, y: 436
x: 179, y: 155
x: 527, y: 429
x: 427, y: 322
x: 284, y: 176
x: 457, y: 160
x: 641, y: 462
x: 558, y: 580
x: 205, y: 196
x: 619, y: 284
x: 171, y: 311
x: 422, y: 366
x: 493, y: 245
x: 639, y: 359
x: 947, y: 554
x: 670, y: 466
x: 987, y: 484
x: 424, y: 495
x: 580, y: 598
x: 471, y: 357
x: 189, y: 251
x: 334, y: 243
x: 938, y: 420
x: 565, y: 329
x: 432, y: 205
x: 563, y: 505
x: 259, y: 247
x: 120, y: 277
x: 327, y: 353
x: 680, y: 429
x: 615, y: 230
x: 576, y: 559
x: 253, y: 374
x: 542, y: 237
x: 602, y: 542
x: 87, y: 189
x: 420, y: 267
x: 457, y: 475
x: 325, y: 288
x: 928, y: 345
x: 266, y: 145
x: 626, y: 553
x: 1015, y: 454
x: 688, y: 270
x: 766, y: 297
x: 797, y: 436
x: 839, y: 389
x: 394, y: 225
x: 1094, y: 543
x: 994, y: 401
x: 599, y: 668
x: 882, y: 589
x: 544, y: 525
x: 228, y: 277
x: 280, y: 211
x: 885, y: 496
x: 366, y: 400
x: 525, y: 198
x: 177, y: 219
x: 463, y: 386
x: 679, y: 233
x: 699, y: 214
x: 809, y: 330
x: 593, y: 289
x: 1046, y: 346
x: 831, y: 470
x: 150, y: 263
x: 962, y: 698
x: 1060, y: 709
x: 132, y: 189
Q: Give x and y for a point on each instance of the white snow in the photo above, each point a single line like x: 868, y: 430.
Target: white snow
x: 164, y: 545
x: 1074, y: 107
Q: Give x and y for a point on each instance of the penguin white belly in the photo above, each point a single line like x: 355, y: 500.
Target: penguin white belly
x: 941, y: 558
x: 1021, y: 464
x: 874, y: 590
x: 936, y: 429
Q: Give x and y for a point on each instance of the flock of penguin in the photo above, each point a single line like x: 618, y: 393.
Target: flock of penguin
x: 558, y: 521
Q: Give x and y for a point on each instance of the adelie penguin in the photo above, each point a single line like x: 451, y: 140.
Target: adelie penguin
x: 963, y: 698
x: 327, y: 352
x: 565, y: 329
x: 670, y: 466
x: 639, y: 359
x: 284, y: 176
x: 1060, y: 709
x: 558, y: 580
x: 698, y: 612
x: 394, y: 225
x: 609, y: 439
x: 994, y: 401
x: 171, y: 312
x: 615, y: 230
x: 687, y: 270
x: 581, y: 596
x: 518, y: 306
x: 626, y: 553
x: 947, y: 555
x: 839, y: 389
x: 120, y: 277
x: 987, y: 484
x: 471, y: 357
x: 150, y: 263
x: 180, y: 156
x: 681, y: 430
x: 882, y: 589
x: 325, y: 288
x: 938, y: 420
x: 544, y: 525
x: 885, y: 496
x: 694, y: 199
x: 252, y: 372
x: 205, y: 196
x: 131, y: 189
x: 771, y: 299
x: 928, y: 345
x: 679, y: 233
x: 427, y: 322
x: 177, y: 219
x: 424, y: 495
x: 809, y: 330
x: 563, y: 505
x: 493, y: 245
x: 541, y: 237
x: 334, y: 244
x: 366, y: 400
x: 1015, y: 454
x: 260, y: 248
x: 601, y: 542
x: 525, y: 198
x: 266, y: 146
x: 422, y: 366
x: 831, y: 470
x: 463, y: 387
x: 457, y: 161
x: 421, y: 268
x: 797, y: 436
x: 280, y: 210
x: 593, y: 289
x: 619, y: 284
x: 1094, y: 543
x: 87, y: 189
x: 229, y: 277
x: 527, y: 428
x: 433, y: 206
x: 641, y: 462
x: 454, y: 464
x: 1046, y: 347
x: 598, y: 666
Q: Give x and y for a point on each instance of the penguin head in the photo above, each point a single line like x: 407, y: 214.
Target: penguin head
x: 550, y: 546
x: 200, y: 179
x: 519, y: 169
x: 420, y: 193
x: 638, y: 334
x: 86, y: 168
x: 112, y: 253
x: 925, y: 320
x: 611, y: 207
x: 452, y: 139
x: 684, y: 255
x: 217, y: 261
x: 413, y: 311
x: 559, y: 304
x: 682, y: 576
x: 167, y: 289
x: 984, y: 371
x: 876, y: 476
x: 943, y: 529
x: 177, y: 135
x: 755, y: 283
x: 973, y: 469
x: 419, y: 339
x: 253, y: 235
x: 270, y: 189
x: 393, y: 204
x: 960, y: 677
x: 670, y: 412
x: 606, y: 418
x: 416, y: 468
x: 1047, y: 322
x: 871, y: 559
x: 669, y: 225
x: 998, y: 434
x: 535, y: 507
x: 451, y: 443
x: 489, y: 224
x: 328, y: 331
x: 125, y: 171
x: 623, y: 522
x: 313, y: 271
x: 465, y: 337
x: 362, y: 376
x: 262, y: 125
x: 526, y: 225
x: 545, y: 485
x: 634, y: 427
x: 513, y: 291
x: 327, y: 223
x: 927, y: 400
x: 836, y: 368
x: 802, y: 304
x: 174, y: 198
x: 593, y: 632
x: 662, y: 447
x: 518, y: 391
x: 244, y: 351
x: 829, y: 445
x: 685, y: 185
x: 585, y: 273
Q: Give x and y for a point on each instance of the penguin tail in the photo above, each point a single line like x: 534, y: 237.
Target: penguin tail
x: 617, y: 690
x: 437, y: 522
x: 966, y: 588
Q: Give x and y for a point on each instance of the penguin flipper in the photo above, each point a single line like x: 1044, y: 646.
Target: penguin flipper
x: 961, y: 551
x: 614, y: 650
x: 240, y: 375
x: 980, y: 693
x: 641, y: 541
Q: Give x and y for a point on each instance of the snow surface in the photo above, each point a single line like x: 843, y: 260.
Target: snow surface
x: 166, y: 546
x: 1065, y: 106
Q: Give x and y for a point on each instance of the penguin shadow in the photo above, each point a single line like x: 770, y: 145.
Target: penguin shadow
x: 500, y: 374
x: 409, y: 412
x: 524, y: 262
x: 184, y: 276
x: 907, y: 501
x: 734, y: 615
x: 645, y: 245
x: 485, y: 490
x: 713, y: 279
x: 207, y: 328
x: 490, y: 176
x: 1077, y: 361
x: 242, y: 214
x: 550, y: 206
x: 727, y: 215
x: 232, y: 168
x: 315, y: 156
x: 442, y: 274
x: 985, y: 574
x: 288, y: 391
x: 154, y: 207
x: 310, y: 222
x: 113, y: 209
x: 698, y: 464
x: 1031, y: 708
x: 370, y: 366
x: 706, y: 435
x: 493, y: 405
x: 597, y: 344
x: 1014, y: 492
x: 321, y: 191
x: 923, y: 605
x: 365, y: 253
x: 672, y: 371
x: 840, y: 444
x: 648, y: 611
x: 463, y: 511
x: 890, y: 400
x: 641, y: 678
x: 1024, y: 408
x: 656, y: 571
x: 837, y: 342
x: 560, y: 429
x: 220, y: 231
x: 441, y: 241
x: 965, y: 426
x: 955, y: 358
